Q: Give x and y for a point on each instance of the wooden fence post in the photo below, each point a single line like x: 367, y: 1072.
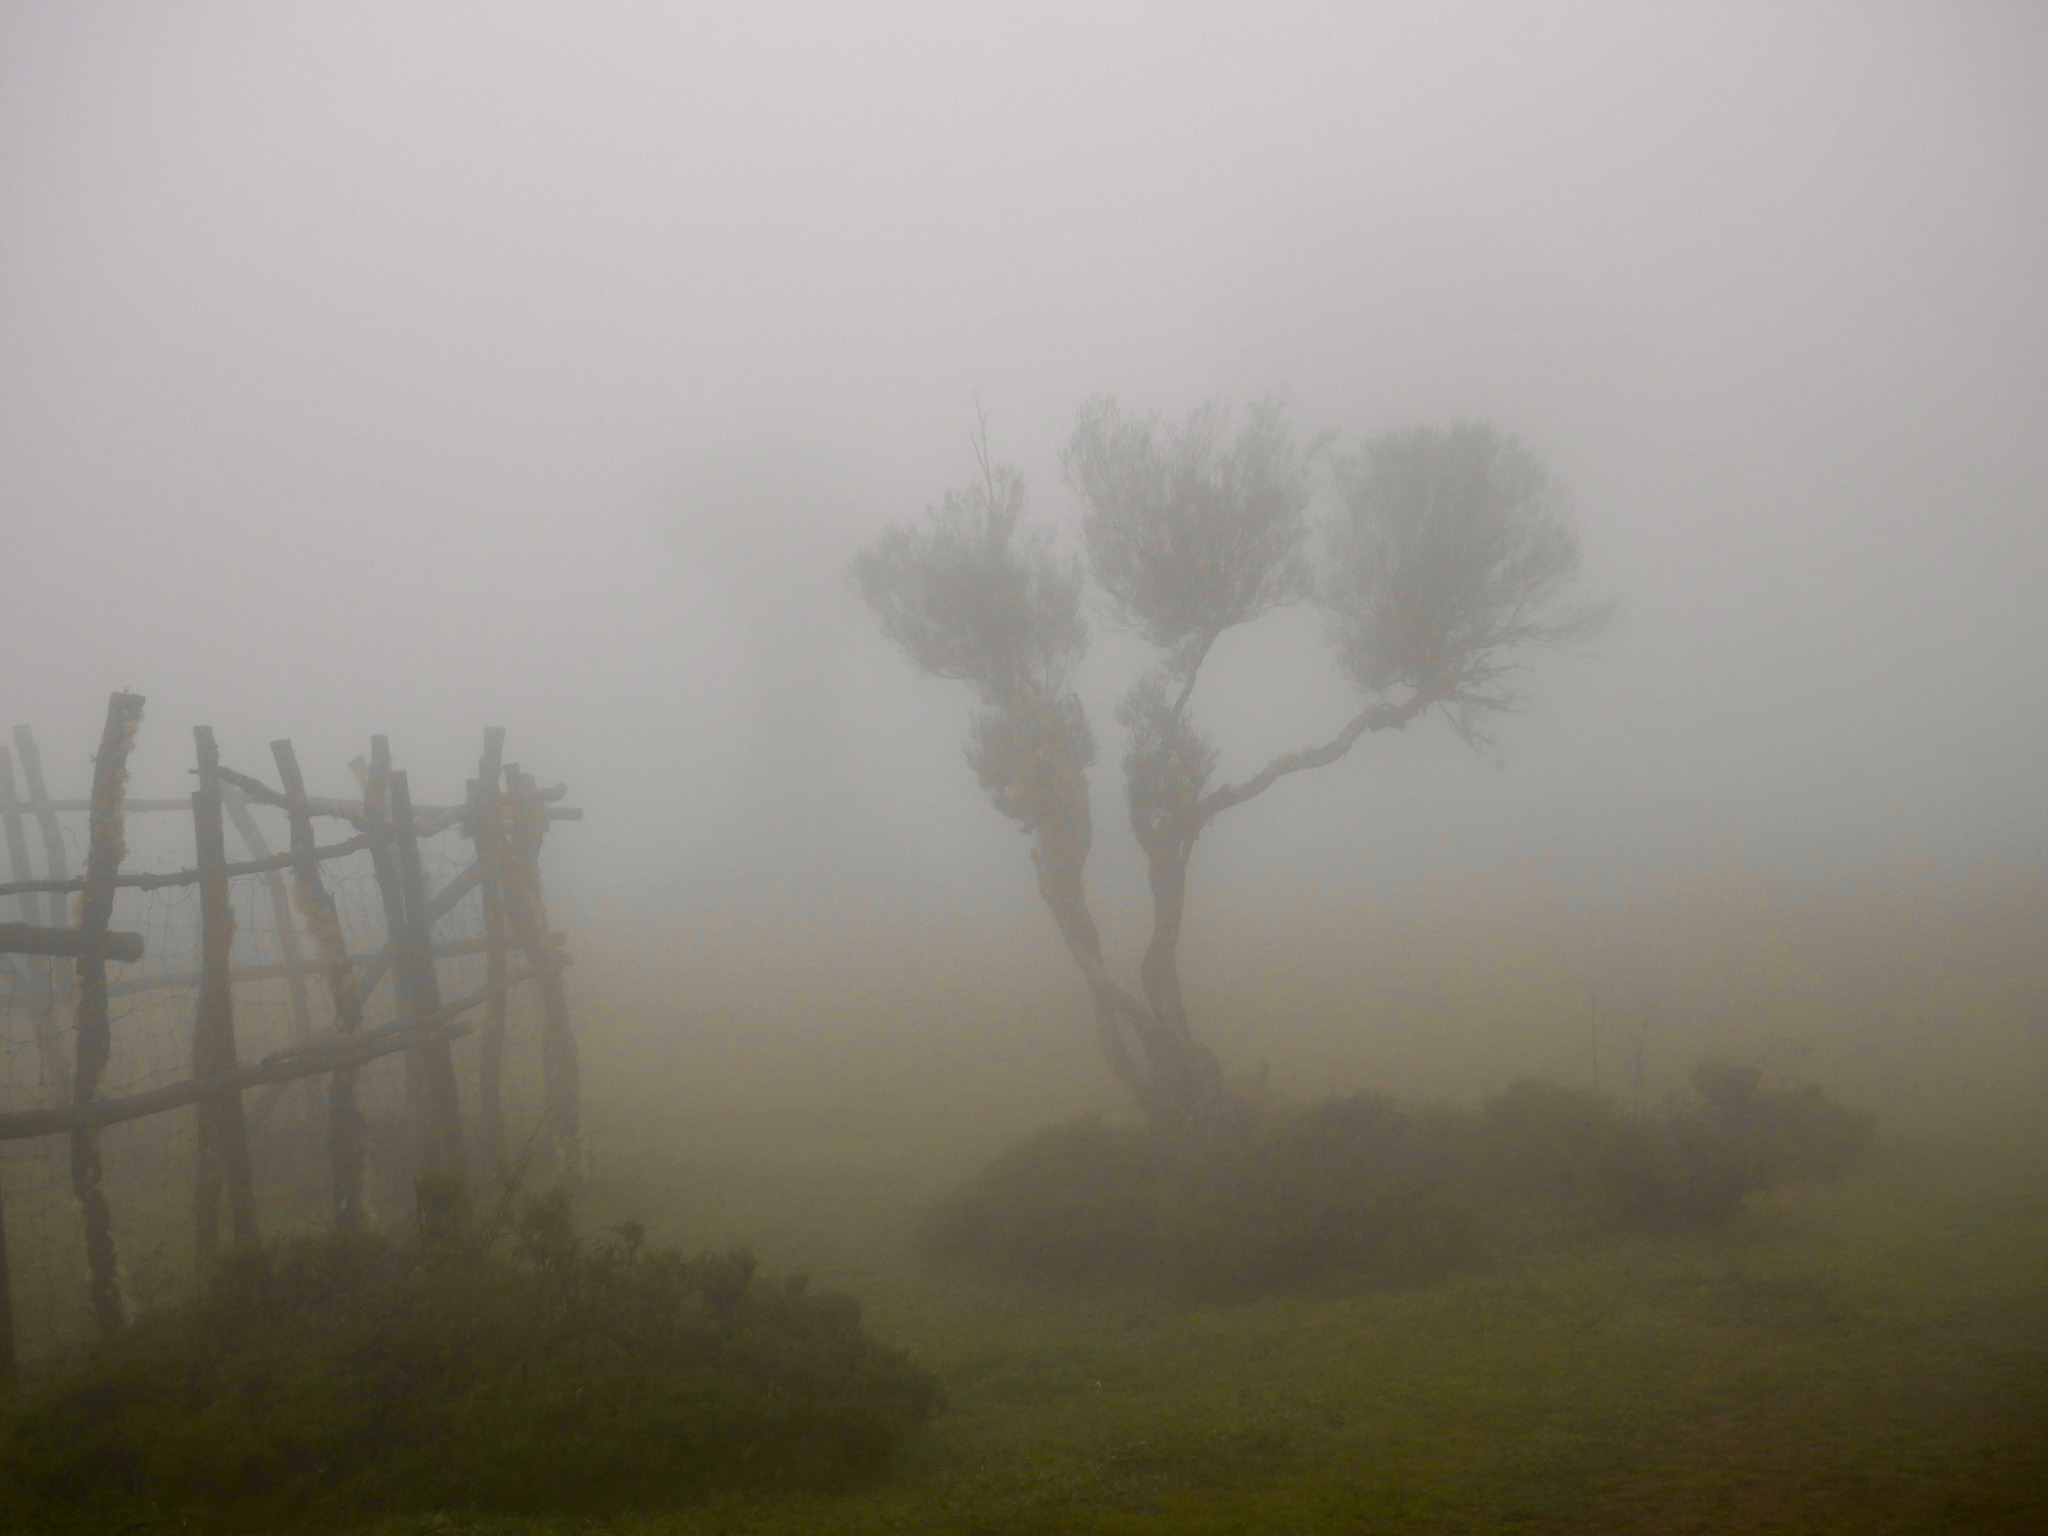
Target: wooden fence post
x: 486, y: 830
x: 49, y: 1042
x: 43, y: 971
x: 376, y: 783
x: 18, y: 867
x: 441, y: 1144
x: 46, y: 817
x: 281, y: 924
x: 105, y: 850
x: 251, y: 834
x: 344, y: 1118
x: 7, y: 1364
x: 223, y: 1133
x: 58, y: 867
x: 560, y: 1077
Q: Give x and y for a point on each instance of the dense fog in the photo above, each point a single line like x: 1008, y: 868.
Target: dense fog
x: 405, y: 369
x: 402, y: 369
x: 1626, y: 1121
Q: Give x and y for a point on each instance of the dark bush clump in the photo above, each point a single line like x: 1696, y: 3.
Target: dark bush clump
x: 1079, y: 1199
x: 1789, y: 1133
x: 1356, y: 1186
x: 1366, y: 1188
x: 354, y: 1373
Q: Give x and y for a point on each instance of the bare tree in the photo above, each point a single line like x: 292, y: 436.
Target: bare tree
x: 1450, y: 554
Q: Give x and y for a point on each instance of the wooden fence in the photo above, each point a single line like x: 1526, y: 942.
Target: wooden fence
x: 57, y: 969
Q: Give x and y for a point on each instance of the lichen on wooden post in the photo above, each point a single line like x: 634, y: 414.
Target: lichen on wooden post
x: 223, y: 1133
x: 316, y: 906
x: 106, y: 847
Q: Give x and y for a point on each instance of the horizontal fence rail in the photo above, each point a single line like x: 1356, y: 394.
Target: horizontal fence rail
x: 27, y: 939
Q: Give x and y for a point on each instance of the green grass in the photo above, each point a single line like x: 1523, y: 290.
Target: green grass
x: 1866, y: 1358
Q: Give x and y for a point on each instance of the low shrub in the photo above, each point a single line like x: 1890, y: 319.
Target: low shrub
x: 1564, y: 1163
x: 351, y: 1372
x: 1079, y: 1199
x: 1364, y: 1187
x: 1359, y: 1186
x: 1791, y: 1133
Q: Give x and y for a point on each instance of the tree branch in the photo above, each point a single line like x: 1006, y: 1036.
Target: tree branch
x: 1381, y: 717
x: 1201, y: 655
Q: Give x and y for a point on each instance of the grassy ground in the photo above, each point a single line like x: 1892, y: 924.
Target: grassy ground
x: 1867, y: 1358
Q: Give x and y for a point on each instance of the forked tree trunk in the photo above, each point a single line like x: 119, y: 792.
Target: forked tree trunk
x: 1150, y: 1043
x: 1173, y: 1077
x: 1196, y: 1075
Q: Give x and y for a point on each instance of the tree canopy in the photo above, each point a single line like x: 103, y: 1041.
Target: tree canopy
x: 1451, y: 555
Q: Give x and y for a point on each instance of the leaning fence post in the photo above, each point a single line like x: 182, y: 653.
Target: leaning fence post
x: 49, y: 1045
x: 441, y: 1148
x: 251, y: 834
x: 223, y: 1133
x: 560, y: 1090
x: 376, y: 781
x: 46, y: 817
x: 344, y: 1119
x: 17, y: 856
x: 258, y: 846
x: 59, y: 868
x: 487, y: 836
x: 105, y: 850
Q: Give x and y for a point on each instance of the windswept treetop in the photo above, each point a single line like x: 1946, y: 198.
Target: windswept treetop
x: 1189, y: 536
x: 1453, y: 551
x: 966, y: 596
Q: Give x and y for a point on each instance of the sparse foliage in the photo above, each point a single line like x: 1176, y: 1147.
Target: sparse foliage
x: 1451, y: 556
x: 1187, y: 536
x: 1453, y: 552
x: 968, y: 597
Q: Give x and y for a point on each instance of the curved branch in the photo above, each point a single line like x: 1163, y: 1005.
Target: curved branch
x: 1390, y: 716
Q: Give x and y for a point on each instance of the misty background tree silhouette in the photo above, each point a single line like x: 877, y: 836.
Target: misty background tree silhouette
x: 1451, y: 554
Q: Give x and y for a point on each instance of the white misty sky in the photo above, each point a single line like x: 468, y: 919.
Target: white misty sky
x: 416, y: 367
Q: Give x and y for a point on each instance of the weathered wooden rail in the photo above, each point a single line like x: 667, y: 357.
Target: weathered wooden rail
x: 504, y: 814
x: 27, y: 939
